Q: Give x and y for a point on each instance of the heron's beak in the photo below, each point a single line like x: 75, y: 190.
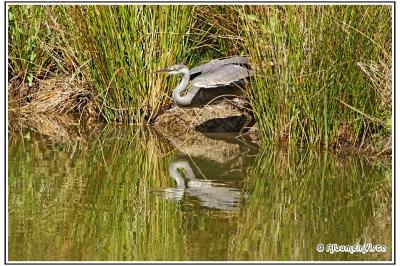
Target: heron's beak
x: 164, y: 70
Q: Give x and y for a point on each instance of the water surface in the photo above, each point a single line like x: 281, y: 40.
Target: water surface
x: 116, y: 194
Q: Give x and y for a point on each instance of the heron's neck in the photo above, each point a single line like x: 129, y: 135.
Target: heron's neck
x: 176, y: 94
x: 176, y: 174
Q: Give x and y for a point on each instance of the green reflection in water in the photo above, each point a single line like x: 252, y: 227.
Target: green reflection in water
x: 115, y: 195
x: 297, y: 200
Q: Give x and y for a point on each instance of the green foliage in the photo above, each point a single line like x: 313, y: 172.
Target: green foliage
x: 26, y: 30
x: 39, y: 43
x: 125, y: 45
x: 323, y: 73
x: 307, y: 62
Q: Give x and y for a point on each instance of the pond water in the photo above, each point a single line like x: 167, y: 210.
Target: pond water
x: 116, y: 194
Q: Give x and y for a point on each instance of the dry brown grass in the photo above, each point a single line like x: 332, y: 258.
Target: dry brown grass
x: 380, y: 75
x: 56, y: 95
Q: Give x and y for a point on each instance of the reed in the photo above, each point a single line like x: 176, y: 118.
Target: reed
x: 26, y: 31
x: 39, y: 43
x: 309, y: 86
x: 125, y: 45
x: 323, y: 73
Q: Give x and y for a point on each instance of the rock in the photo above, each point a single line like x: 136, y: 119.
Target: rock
x: 226, y: 116
x: 253, y: 134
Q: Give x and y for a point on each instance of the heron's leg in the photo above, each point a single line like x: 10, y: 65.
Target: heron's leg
x: 246, y: 122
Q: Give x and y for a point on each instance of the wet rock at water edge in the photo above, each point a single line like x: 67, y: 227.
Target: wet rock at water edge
x: 226, y: 116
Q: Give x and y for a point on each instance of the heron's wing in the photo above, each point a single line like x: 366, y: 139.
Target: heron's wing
x: 225, y: 75
x: 217, y: 63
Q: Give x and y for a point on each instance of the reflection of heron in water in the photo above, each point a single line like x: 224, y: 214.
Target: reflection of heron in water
x: 211, y: 194
x: 215, y: 74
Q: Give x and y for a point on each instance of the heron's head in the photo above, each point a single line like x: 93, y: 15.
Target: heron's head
x: 174, y: 70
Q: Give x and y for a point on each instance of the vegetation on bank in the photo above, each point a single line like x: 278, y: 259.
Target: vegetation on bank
x: 323, y: 73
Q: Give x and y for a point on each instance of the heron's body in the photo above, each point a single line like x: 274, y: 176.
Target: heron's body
x: 227, y: 73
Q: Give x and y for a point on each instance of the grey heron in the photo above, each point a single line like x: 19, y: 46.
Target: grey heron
x: 211, y: 194
x: 216, y: 73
